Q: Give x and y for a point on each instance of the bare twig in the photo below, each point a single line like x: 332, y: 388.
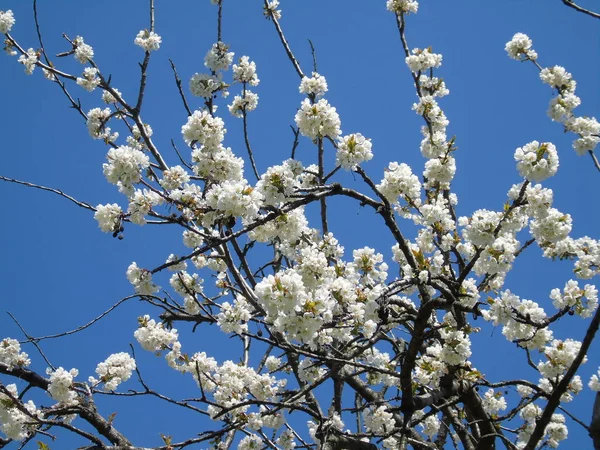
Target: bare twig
x: 573, y: 5
x: 44, y: 188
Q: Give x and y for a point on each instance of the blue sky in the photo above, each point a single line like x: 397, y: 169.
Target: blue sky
x: 59, y: 270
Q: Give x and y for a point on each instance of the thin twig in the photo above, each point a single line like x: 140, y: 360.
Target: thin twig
x: 179, y: 88
x: 596, y: 163
x: 44, y: 188
x: 247, y: 140
x: 36, y: 345
x: 570, y: 4
x: 314, y: 55
x: 82, y: 327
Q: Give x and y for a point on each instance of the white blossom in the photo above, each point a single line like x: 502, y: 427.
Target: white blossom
x: 423, y: 59
x: 11, y: 355
x: 245, y: 71
x: 315, y: 85
x: 89, y: 80
x: 218, y: 57
x: 124, y: 167
x: 519, y: 48
x: 61, y: 385
x: 318, y: 120
x: 141, y: 279
x: 116, y: 369
x: 247, y: 102
x: 352, y: 150
x: 83, y: 52
x: 402, y: 6
x: 7, y: 20
x: 204, y: 85
x: 29, y: 60
x: 153, y: 336
x: 536, y: 161
x: 109, y: 217
x: 148, y: 40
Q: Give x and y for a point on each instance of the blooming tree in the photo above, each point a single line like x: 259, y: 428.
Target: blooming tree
x: 339, y: 348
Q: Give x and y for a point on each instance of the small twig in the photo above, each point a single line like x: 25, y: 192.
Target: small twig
x: 296, y: 132
x: 314, y: 55
x: 44, y: 188
x: 179, y: 155
x: 36, y: 345
x: 178, y: 82
x: 596, y: 163
x: 220, y: 21
x: 82, y: 327
x: 286, y: 46
x: 570, y: 4
x: 247, y: 140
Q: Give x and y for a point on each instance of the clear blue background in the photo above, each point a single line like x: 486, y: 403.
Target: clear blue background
x: 59, y: 270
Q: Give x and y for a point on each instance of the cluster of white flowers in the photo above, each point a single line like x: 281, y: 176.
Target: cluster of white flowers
x: 235, y: 382
x: 585, y: 251
x: 352, y: 150
x: 14, y: 422
x: 318, y: 120
x: 315, y: 85
x: 553, y: 227
x: 205, y: 85
x: 232, y: 199
x: 141, y: 203
x: 174, y: 177
x: 536, y: 161
x: 555, y: 432
x: 594, y: 383
x: 402, y: 6
x: 511, y: 312
x: 379, y: 420
x: 141, y: 279
x: 148, y: 40
x: 7, y: 20
x: 83, y: 52
x: 89, y: 80
x: 204, y: 129
x: 287, y: 227
x: 519, y: 48
x: 560, y: 355
x: 423, y: 59
x: 11, y: 355
x: 277, y: 183
x: 573, y: 297
x: 479, y: 228
x: 562, y: 106
x: 245, y: 71
x: 108, y: 98
x: 234, y: 318
x: 153, y: 336
x: 217, y: 164
x: 109, y: 217
x: 218, y: 57
x: 61, y: 385
x: 29, y: 60
x: 124, y: 167
x: 434, y: 86
x: 399, y: 182
x: 247, y: 102
x: 456, y: 348
x: 116, y: 369
x: 493, y: 402
x: 96, y: 125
